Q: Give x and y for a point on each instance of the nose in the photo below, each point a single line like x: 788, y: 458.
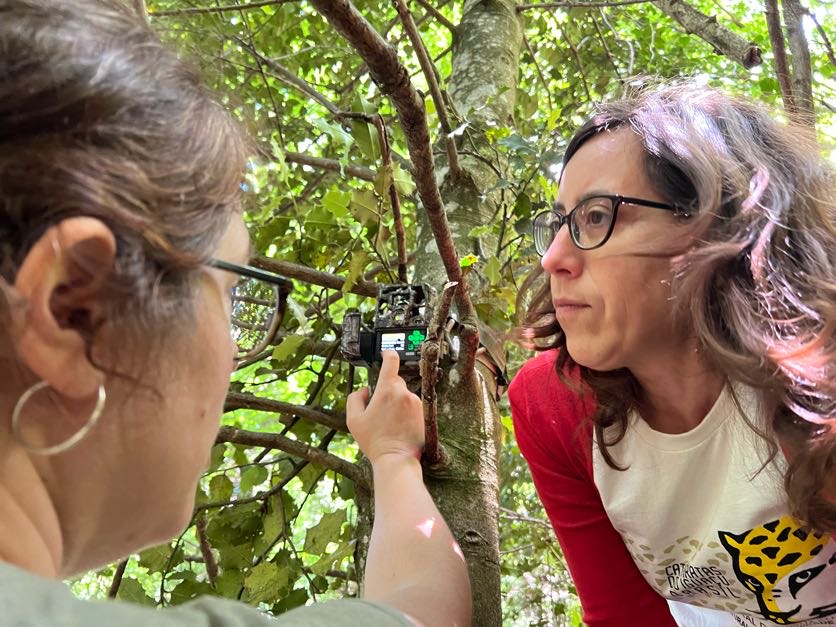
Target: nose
x: 562, y: 256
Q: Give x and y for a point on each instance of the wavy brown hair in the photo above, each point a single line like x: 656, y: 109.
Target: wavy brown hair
x: 758, y: 285
x: 98, y: 118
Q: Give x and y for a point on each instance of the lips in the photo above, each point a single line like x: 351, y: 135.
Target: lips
x: 566, y: 307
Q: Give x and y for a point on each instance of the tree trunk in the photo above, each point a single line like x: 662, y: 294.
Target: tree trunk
x: 482, y: 89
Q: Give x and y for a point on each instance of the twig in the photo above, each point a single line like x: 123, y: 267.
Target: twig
x: 577, y: 56
x: 400, y: 236
x: 294, y: 447
x: 439, y: 17
x: 316, y: 277
x: 430, y: 357
x: 393, y: 79
x: 825, y: 40
x: 117, y: 578
x: 571, y: 4
x: 606, y: 48
x: 779, y: 55
x: 333, y: 165
x: 220, y: 9
x: 539, y: 71
x: 206, y: 549
x: 430, y: 73
x: 238, y: 400
x: 512, y: 515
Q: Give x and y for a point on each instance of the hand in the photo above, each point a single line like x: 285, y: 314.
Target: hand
x: 393, y: 422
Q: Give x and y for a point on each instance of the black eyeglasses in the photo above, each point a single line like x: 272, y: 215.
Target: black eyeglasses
x: 259, y: 301
x: 590, y: 223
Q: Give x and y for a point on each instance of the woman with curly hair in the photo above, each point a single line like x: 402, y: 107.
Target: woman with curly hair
x: 680, y: 421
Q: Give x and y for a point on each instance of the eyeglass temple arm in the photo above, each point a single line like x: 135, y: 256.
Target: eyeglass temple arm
x: 254, y: 273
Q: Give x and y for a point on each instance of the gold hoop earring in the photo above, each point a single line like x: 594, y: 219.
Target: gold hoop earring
x: 70, y: 441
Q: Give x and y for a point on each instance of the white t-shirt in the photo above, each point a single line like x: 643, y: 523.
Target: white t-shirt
x: 713, y: 533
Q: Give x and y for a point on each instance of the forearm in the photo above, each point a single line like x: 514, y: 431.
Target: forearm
x: 414, y: 563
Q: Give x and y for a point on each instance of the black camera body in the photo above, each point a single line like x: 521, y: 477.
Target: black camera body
x: 402, y: 318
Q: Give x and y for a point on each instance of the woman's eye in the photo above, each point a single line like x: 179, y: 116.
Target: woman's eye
x: 597, y: 217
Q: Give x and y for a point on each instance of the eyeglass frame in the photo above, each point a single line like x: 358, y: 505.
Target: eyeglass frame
x: 285, y: 286
x: 617, y: 200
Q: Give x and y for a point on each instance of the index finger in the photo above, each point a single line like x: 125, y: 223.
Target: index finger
x: 389, y: 368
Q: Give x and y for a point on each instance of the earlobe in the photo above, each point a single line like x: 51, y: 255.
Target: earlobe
x: 61, y: 280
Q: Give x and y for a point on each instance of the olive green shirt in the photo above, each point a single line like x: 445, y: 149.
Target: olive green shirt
x: 27, y: 600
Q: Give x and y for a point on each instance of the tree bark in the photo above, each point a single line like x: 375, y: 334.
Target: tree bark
x: 801, y: 76
x: 707, y: 28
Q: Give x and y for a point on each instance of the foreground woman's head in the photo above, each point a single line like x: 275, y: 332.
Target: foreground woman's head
x: 119, y: 181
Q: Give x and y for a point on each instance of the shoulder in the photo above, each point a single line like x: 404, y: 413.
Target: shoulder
x: 538, y: 384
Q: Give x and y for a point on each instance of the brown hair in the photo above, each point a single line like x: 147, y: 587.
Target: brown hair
x: 759, y: 284
x: 99, y: 118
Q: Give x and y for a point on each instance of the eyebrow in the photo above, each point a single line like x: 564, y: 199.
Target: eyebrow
x: 559, y: 206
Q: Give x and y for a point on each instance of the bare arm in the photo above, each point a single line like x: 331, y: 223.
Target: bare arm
x: 414, y: 564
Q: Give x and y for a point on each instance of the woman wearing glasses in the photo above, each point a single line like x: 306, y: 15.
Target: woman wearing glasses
x: 122, y: 263
x: 680, y: 423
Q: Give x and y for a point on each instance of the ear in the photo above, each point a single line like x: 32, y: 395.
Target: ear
x: 61, y: 282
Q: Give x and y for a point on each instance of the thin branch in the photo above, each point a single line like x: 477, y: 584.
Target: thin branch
x: 606, y: 48
x: 283, y: 74
x: 802, y: 73
x: 314, y: 455
x: 577, y: 56
x: 238, y: 400
x: 220, y: 9
x: 400, y: 236
x: 316, y: 277
x: 430, y: 358
x: 431, y: 74
x: 117, y: 579
x: 333, y: 165
x: 393, y: 79
x: 206, y: 549
x: 504, y: 512
x: 571, y: 4
x: 825, y: 40
x: 707, y: 28
x: 439, y: 17
x: 540, y: 74
x: 779, y: 55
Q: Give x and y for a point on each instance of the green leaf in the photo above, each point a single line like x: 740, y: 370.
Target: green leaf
x: 220, y: 488
x: 251, y: 477
x: 356, y: 266
x: 187, y: 590
x: 364, y: 206
x: 288, y: 348
x: 365, y: 134
x: 326, y: 530
x: 403, y: 180
x: 327, y: 562
x: 336, y: 202
x: 131, y: 590
x: 468, y: 260
x: 491, y: 270
x: 157, y: 557
x: 266, y: 582
x: 296, y: 598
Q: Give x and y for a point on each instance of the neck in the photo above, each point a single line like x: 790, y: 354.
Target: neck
x: 678, y: 391
x: 30, y: 535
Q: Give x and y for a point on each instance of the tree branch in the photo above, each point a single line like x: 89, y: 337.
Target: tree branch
x: 430, y: 357
x: 391, y: 76
x: 316, y: 277
x: 314, y: 455
x: 439, y: 17
x: 825, y: 40
x: 779, y: 55
x: 802, y: 74
x: 333, y: 165
x: 220, y: 9
x: 117, y: 578
x: 239, y: 400
x: 430, y: 73
x: 708, y: 29
x: 206, y: 549
x: 394, y: 199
